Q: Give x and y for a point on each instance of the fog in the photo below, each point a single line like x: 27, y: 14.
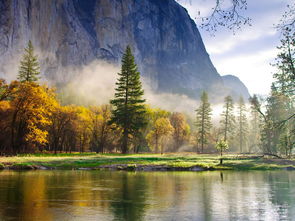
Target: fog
x: 94, y: 84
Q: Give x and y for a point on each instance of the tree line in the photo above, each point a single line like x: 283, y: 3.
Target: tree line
x: 33, y: 119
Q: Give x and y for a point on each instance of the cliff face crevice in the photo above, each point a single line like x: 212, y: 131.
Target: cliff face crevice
x: 67, y: 33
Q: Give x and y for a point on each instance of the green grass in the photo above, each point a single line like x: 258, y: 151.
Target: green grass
x: 131, y: 161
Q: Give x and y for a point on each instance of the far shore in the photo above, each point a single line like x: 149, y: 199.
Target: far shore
x: 145, y: 162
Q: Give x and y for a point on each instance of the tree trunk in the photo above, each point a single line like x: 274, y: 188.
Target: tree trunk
x: 157, y: 145
x: 125, y: 142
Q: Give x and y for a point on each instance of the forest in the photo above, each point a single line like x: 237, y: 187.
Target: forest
x: 33, y: 119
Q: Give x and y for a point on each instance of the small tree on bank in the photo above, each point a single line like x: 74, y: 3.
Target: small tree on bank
x: 129, y: 110
x: 29, y: 69
x: 221, y: 146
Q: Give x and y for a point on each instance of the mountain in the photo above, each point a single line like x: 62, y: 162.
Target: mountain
x: 72, y: 33
x: 236, y: 86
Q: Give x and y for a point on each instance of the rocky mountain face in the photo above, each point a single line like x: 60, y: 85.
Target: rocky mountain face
x: 71, y: 33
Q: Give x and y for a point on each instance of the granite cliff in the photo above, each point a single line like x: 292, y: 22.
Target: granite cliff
x: 72, y: 33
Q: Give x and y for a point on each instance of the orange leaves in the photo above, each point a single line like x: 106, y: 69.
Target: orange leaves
x: 33, y: 105
x: 25, y: 112
x: 158, y: 136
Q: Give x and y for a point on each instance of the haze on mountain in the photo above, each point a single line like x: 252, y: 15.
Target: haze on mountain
x: 80, y: 43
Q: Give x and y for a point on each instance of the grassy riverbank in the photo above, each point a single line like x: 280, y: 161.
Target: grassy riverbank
x: 147, y: 162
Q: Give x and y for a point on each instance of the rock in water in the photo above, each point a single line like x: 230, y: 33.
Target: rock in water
x: 71, y: 33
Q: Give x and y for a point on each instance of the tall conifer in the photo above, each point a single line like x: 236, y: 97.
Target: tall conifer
x: 227, y: 118
x: 243, y: 124
x: 203, y: 120
x: 29, y: 66
x: 129, y: 110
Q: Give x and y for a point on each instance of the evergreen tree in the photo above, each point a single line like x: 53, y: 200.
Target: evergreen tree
x: 203, y: 120
x: 227, y: 118
x: 272, y: 131
x: 276, y: 111
x: 285, y: 63
x: 29, y: 66
x: 266, y: 126
x: 243, y: 124
x: 255, y: 129
x: 281, y: 101
x: 129, y: 110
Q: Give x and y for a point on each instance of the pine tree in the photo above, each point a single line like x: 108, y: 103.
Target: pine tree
x: 255, y: 129
x: 276, y: 111
x: 129, y: 110
x: 203, y: 120
x: 29, y: 66
x: 285, y: 63
x: 243, y: 124
x: 227, y: 118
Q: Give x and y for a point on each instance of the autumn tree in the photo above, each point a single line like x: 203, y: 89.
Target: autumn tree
x: 83, y: 128
x: 32, y: 106
x: 203, y: 120
x: 6, y: 90
x: 62, y: 129
x: 242, y: 124
x: 5, y: 115
x: 129, y: 109
x: 228, y: 119
x: 181, y: 130
x: 102, y: 131
x: 29, y: 69
x: 159, y: 134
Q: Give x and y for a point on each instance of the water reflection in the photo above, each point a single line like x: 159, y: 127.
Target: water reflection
x: 94, y: 195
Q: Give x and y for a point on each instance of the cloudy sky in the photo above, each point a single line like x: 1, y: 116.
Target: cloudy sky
x: 249, y: 52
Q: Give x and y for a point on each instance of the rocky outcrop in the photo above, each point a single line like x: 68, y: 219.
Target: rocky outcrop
x: 72, y: 33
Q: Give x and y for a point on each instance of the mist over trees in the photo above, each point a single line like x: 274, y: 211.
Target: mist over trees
x: 34, y: 119
x: 277, y: 111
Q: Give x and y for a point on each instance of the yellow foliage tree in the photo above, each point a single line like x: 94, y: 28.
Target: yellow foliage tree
x: 32, y: 106
x: 62, y: 131
x: 83, y: 127
x: 102, y: 131
x: 158, y: 136
x: 5, y: 113
x: 181, y: 130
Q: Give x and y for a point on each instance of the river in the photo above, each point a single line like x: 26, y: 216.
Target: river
x: 106, y: 195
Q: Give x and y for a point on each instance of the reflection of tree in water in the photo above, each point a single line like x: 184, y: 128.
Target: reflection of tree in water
x: 281, y: 187
x: 129, y: 197
x: 12, y: 197
x: 206, y: 188
x: 24, y: 199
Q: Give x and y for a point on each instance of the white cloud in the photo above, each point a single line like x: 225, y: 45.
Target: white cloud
x: 253, y: 69
x: 246, y: 54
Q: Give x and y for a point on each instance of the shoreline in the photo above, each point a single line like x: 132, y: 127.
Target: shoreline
x: 145, y: 162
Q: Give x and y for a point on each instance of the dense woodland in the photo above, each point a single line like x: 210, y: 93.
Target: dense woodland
x: 32, y: 118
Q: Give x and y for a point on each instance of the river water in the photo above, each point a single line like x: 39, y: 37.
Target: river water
x: 100, y: 195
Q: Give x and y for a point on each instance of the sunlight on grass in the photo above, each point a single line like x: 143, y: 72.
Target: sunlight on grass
x: 172, y: 160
